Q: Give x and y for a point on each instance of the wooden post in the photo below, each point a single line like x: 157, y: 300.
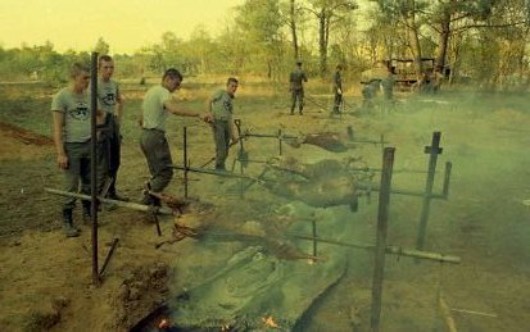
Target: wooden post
x: 280, y: 141
x: 445, y: 312
x: 315, y: 236
x: 185, y: 161
x: 434, y: 150
x: 93, y: 165
x: 447, y: 178
x: 382, y: 226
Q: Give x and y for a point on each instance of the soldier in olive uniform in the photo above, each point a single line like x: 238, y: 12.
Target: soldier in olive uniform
x: 221, y: 107
x: 337, y: 89
x: 296, y: 87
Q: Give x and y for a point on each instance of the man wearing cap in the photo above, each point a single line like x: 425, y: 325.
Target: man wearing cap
x: 156, y: 107
x: 296, y: 87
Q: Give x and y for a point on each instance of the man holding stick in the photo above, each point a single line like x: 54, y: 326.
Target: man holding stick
x: 156, y: 107
x: 221, y: 107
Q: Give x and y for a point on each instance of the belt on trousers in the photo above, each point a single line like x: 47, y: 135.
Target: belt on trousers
x: 153, y: 129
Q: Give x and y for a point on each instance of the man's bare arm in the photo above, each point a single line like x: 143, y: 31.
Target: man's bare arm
x: 58, y: 123
x: 173, y: 108
x: 119, y: 107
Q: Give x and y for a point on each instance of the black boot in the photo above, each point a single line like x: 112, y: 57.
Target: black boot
x: 68, y: 224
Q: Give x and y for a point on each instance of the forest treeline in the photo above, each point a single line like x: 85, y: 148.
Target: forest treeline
x: 485, y: 40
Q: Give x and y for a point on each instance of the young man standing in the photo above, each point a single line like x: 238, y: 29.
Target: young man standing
x: 156, y: 107
x: 111, y: 102
x: 221, y: 107
x: 296, y: 86
x: 337, y: 89
x: 71, y: 134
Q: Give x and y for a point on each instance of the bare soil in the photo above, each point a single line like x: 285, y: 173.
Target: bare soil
x: 46, y: 279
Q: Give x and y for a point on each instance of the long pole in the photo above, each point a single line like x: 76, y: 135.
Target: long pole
x: 434, y: 150
x: 382, y: 226
x: 93, y: 165
x: 392, y: 250
x: 185, y: 161
x: 128, y: 205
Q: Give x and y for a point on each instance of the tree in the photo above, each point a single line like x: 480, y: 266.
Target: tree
x: 327, y: 13
x: 260, y: 23
x: 101, y: 47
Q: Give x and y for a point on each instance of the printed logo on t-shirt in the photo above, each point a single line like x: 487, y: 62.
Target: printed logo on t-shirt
x: 228, y: 105
x: 80, y: 112
x: 109, y: 99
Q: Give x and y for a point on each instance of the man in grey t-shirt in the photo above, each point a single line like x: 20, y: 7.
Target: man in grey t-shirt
x: 156, y: 107
x: 221, y: 107
x: 71, y: 134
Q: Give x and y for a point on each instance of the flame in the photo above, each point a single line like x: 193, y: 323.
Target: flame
x: 269, y: 322
x: 163, y: 324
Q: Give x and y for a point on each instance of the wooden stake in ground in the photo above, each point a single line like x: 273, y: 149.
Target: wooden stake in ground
x: 382, y: 226
x: 434, y: 150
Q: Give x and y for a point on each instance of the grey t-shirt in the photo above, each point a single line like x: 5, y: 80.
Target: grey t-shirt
x: 222, y: 106
x: 108, y: 93
x: 76, y: 110
x: 153, y: 110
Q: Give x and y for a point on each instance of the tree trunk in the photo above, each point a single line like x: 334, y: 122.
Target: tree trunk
x: 322, y: 42
x: 415, y: 45
x: 443, y: 40
x: 293, y: 30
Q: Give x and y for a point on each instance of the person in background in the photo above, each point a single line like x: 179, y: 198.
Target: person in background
x: 72, y: 135
x: 296, y: 87
x: 369, y: 92
x: 387, y: 85
x: 156, y: 107
x: 337, y: 89
x: 111, y: 102
x: 220, y: 105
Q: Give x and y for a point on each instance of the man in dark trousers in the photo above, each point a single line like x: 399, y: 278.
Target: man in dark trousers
x: 337, y: 89
x: 221, y: 107
x: 110, y: 101
x: 296, y: 86
x: 156, y: 107
x: 72, y: 135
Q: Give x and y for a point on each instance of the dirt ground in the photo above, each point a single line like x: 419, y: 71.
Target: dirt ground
x: 46, y: 279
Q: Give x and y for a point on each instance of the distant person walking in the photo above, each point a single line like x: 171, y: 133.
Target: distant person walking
x: 337, y: 89
x: 220, y: 105
x: 111, y: 102
x: 72, y: 134
x: 387, y: 85
x: 156, y: 107
x: 296, y: 87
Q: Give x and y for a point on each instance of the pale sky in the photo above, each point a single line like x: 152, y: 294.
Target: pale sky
x: 126, y: 25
